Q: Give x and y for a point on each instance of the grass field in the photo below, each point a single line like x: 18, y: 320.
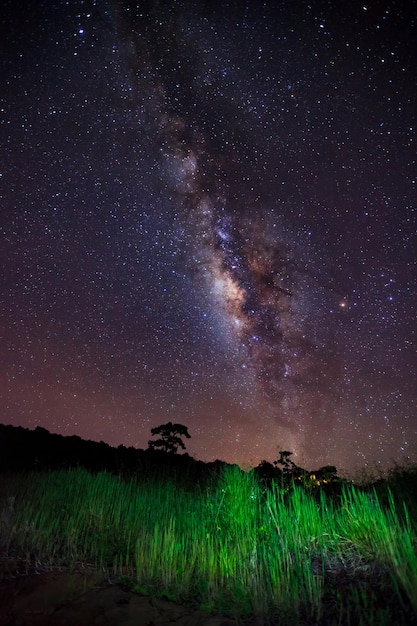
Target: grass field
x: 278, y: 556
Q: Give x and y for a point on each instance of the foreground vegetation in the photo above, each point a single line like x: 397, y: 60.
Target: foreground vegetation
x: 281, y: 555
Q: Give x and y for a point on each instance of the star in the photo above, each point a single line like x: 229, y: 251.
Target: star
x: 207, y: 218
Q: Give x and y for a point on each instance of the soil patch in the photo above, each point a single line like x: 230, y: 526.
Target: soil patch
x: 87, y: 598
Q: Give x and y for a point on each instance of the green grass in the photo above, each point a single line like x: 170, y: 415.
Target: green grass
x: 232, y: 548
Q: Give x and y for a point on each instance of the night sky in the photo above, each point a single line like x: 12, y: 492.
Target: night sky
x: 208, y: 216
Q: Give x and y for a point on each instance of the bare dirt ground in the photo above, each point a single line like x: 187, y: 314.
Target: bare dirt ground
x: 87, y: 598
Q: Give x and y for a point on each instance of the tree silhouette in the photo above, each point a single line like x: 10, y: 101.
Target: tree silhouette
x: 284, y: 460
x: 170, y: 437
x: 290, y: 470
x: 327, y: 474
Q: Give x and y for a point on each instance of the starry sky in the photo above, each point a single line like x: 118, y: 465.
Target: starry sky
x: 208, y: 216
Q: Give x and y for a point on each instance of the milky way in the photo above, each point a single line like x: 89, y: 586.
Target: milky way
x: 208, y: 213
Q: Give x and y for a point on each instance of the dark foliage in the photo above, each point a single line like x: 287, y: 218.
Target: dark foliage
x: 27, y: 450
x: 170, y: 437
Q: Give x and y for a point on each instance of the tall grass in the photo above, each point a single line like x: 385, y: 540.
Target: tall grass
x: 377, y: 533
x: 232, y: 548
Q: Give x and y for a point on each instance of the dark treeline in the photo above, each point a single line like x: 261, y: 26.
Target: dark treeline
x: 22, y: 449
x: 27, y: 450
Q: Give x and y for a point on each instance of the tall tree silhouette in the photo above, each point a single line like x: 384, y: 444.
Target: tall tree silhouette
x: 287, y: 464
x: 170, y: 437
